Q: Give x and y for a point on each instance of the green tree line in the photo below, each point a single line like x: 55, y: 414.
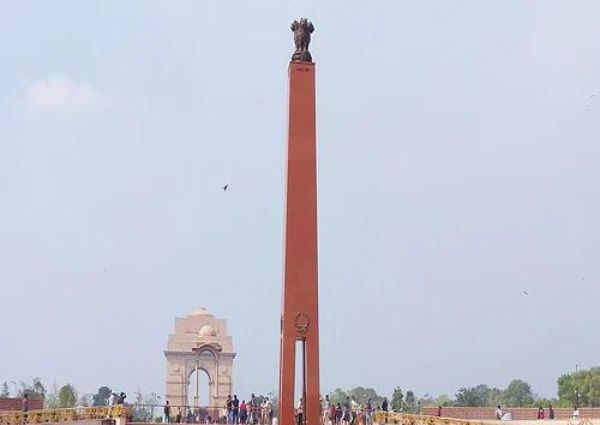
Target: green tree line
x: 581, y: 388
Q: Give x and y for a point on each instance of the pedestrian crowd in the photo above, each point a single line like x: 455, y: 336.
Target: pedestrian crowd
x: 252, y: 412
x: 255, y: 411
x: 349, y: 412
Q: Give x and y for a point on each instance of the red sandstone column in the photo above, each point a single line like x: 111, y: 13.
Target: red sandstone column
x: 300, y: 321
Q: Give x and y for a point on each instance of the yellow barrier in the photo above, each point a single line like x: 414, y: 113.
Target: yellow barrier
x: 407, y: 419
x: 63, y: 415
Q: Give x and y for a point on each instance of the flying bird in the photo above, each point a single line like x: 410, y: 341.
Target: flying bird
x: 225, y: 188
x: 526, y: 293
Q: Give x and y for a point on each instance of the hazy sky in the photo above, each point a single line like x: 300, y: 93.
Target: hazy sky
x: 459, y: 144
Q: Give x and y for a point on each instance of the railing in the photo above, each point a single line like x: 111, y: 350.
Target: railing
x: 406, y: 419
x: 62, y: 415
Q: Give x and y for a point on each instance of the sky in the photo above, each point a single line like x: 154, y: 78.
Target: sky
x: 458, y: 149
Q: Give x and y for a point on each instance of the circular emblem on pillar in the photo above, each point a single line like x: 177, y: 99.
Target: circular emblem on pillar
x: 301, y: 322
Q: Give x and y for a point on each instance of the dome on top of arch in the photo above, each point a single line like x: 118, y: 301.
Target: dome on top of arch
x: 200, y: 312
x: 207, y: 330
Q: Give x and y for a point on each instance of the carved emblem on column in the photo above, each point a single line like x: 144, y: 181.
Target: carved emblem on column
x: 301, y: 322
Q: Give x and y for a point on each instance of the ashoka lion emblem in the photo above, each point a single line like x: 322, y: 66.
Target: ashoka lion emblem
x: 302, y: 31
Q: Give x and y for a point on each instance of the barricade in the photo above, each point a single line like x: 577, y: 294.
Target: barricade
x: 64, y: 415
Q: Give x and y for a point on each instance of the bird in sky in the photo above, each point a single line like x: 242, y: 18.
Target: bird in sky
x: 526, y: 293
x: 225, y: 188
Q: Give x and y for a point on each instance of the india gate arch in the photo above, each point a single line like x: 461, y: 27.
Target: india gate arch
x: 200, y: 344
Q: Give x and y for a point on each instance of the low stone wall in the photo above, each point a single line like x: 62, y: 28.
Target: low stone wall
x: 519, y: 413
x: 16, y: 403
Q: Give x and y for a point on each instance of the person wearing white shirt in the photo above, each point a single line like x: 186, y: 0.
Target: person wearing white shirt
x: 499, y: 413
x: 300, y: 411
x: 326, y: 410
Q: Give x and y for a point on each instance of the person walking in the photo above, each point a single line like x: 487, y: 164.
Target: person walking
x: 499, y: 413
x: 229, y: 407
x: 332, y: 415
x: 250, y: 418
x: 540, y: 414
x: 550, y: 412
x: 25, y: 407
x: 235, y: 403
x: 354, y: 410
x: 167, y: 413
x: 326, y: 410
x: 346, y: 412
x: 266, y: 412
x: 369, y: 412
x: 111, y: 403
x: 243, y: 412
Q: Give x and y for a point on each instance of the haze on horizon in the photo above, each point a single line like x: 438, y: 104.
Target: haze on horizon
x: 458, y: 168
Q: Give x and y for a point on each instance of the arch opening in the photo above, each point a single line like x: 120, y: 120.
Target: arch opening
x: 198, y: 389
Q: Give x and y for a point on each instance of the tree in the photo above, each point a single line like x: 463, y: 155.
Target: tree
x: 51, y: 400
x: 85, y: 400
x: 67, y: 396
x: 410, y: 403
x: 34, y: 390
x: 443, y: 400
x: 397, y: 400
x: 581, y: 388
x: 472, y: 396
x: 362, y: 395
x: 101, y: 397
x: 38, y: 387
x: 518, y: 394
x: 427, y: 400
x: 152, y: 400
x: 338, y: 396
x: 495, y: 397
x: 5, y: 391
x: 139, y: 412
x: 144, y: 406
x: 479, y: 396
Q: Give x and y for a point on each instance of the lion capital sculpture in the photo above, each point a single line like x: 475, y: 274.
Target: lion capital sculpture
x: 302, y: 31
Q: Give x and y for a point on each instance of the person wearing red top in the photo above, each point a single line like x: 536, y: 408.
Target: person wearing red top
x: 332, y: 415
x: 243, y: 412
x: 541, y: 414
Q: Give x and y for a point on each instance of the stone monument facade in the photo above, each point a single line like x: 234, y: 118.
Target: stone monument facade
x: 200, y: 343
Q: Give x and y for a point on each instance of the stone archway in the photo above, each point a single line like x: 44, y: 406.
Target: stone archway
x: 200, y: 342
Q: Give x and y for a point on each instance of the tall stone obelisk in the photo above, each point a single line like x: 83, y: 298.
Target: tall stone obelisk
x: 300, y: 320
